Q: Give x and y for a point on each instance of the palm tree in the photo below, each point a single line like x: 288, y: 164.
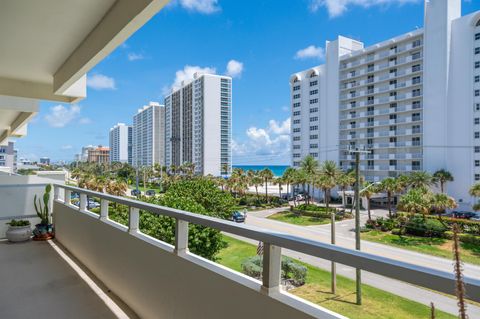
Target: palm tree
x: 421, y: 180
x: 442, y: 176
x: 331, y: 172
x: 310, y: 166
x: 267, y: 176
x: 390, y: 186
x: 279, y: 181
x: 441, y: 202
x: 345, y: 180
x: 367, y: 192
x: 289, y: 177
x: 416, y: 201
x: 299, y: 178
x: 255, y: 180
x: 475, y: 192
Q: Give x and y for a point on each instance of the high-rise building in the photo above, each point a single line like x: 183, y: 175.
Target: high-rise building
x: 99, y: 155
x: 198, y: 124
x: 121, y: 143
x: 148, y: 138
x: 44, y: 161
x: 413, y: 100
x: 8, y: 158
x: 84, y: 154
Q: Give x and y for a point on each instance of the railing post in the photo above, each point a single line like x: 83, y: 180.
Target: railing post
x: 272, y: 268
x: 56, y: 192
x: 133, y: 220
x: 83, y: 202
x: 67, y: 197
x: 103, y: 209
x: 181, y: 236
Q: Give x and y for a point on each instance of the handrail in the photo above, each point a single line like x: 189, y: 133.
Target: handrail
x: 434, y: 279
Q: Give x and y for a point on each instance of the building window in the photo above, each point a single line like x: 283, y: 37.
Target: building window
x: 296, y: 88
x: 416, y: 105
x: 416, y: 80
x: 296, y: 147
x: 314, y: 119
x: 313, y: 83
x: 296, y: 130
x: 296, y: 121
x: 476, y: 134
x: 477, y: 64
x: 314, y: 128
x: 314, y: 154
x: 297, y: 104
x: 477, y: 78
x: 477, y: 50
x: 313, y: 101
x: 296, y: 113
x: 416, y: 43
x: 477, y: 163
x: 477, y: 92
x: 313, y: 137
x: 296, y: 96
x: 415, y: 55
x: 477, y: 177
x: 416, y: 68
x: 313, y: 92
x: 416, y: 92
x: 476, y: 149
x: 476, y: 121
x: 313, y: 145
x: 296, y: 155
x: 314, y: 110
x: 296, y: 138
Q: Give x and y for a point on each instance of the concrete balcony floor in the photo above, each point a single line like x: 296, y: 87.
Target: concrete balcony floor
x: 36, y: 281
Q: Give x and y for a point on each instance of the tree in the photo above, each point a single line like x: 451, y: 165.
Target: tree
x: 331, y: 172
x: 279, y: 181
x: 267, y: 176
x: 345, y: 180
x: 238, y: 181
x: 441, y: 202
x: 475, y: 192
x: 299, y: 178
x: 310, y: 166
x: 390, y: 186
x: 442, y: 176
x: 255, y: 180
x: 289, y: 177
x: 416, y: 201
x: 421, y: 180
x: 368, y: 190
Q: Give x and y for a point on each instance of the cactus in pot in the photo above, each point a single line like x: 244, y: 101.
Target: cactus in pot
x: 44, y: 229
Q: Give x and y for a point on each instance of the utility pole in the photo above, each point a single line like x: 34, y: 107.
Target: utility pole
x: 357, y: 153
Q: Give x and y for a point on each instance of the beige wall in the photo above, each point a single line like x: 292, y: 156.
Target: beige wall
x: 156, y: 283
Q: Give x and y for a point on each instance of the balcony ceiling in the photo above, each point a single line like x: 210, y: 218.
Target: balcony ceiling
x: 48, y: 46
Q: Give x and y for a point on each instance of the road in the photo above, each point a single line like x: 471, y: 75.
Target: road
x: 346, y: 238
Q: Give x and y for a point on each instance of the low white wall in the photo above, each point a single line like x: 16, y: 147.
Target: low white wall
x: 156, y: 283
x: 16, y: 198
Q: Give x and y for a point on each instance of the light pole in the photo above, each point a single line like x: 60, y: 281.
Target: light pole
x: 357, y: 153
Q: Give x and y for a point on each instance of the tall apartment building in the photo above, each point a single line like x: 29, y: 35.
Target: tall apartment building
x: 413, y: 100
x: 198, y: 124
x: 99, y: 155
x: 8, y: 161
x: 83, y: 156
x: 121, y: 143
x: 148, y: 138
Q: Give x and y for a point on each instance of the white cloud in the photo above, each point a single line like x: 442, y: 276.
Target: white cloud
x: 135, y: 56
x: 187, y: 74
x: 66, y: 147
x: 101, y: 82
x: 338, y: 7
x: 234, y: 69
x: 310, y: 52
x: 60, y: 116
x: 202, y: 6
x: 285, y: 108
x: 84, y: 120
x: 271, y: 143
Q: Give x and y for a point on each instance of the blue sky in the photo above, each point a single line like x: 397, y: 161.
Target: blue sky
x: 259, y: 42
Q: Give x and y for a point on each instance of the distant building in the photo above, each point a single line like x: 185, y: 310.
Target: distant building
x: 99, y: 155
x: 7, y: 158
x: 198, y: 124
x: 148, y: 142
x: 84, y: 154
x: 121, y: 143
x: 44, y: 161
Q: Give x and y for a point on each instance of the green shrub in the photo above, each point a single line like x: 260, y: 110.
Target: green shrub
x: 398, y: 231
x: 385, y: 224
x: 19, y: 223
x: 469, y: 239
x: 448, y: 234
x: 291, y: 270
x: 419, y: 226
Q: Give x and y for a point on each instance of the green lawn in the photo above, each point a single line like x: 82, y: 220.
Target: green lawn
x: 292, y: 218
x: 376, y: 303
x: 433, y: 246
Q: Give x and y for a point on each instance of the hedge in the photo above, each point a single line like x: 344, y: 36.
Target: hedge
x: 464, y: 238
x: 291, y: 270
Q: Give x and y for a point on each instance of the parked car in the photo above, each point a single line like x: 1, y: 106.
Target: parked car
x: 92, y: 204
x: 299, y: 197
x: 461, y: 215
x: 135, y: 192
x: 238, y: 217
x: 150, y: 192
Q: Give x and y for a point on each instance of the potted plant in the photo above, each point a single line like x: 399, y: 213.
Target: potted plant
x: 43, y: 230
x: 18, y: 230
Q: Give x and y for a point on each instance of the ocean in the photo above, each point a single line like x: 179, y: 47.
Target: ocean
x: 276, y: 169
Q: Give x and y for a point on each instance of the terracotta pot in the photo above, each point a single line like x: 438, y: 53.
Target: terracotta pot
x: 18, y: 233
